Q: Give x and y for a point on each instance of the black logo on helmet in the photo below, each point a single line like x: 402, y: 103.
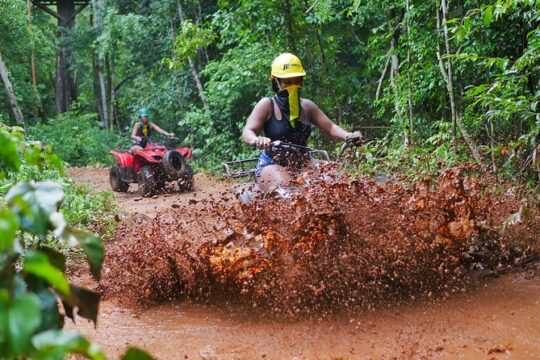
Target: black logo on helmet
x: 286, y: 66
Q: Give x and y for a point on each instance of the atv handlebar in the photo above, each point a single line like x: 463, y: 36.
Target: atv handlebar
x: 280, y: 145
x: 352, y: 141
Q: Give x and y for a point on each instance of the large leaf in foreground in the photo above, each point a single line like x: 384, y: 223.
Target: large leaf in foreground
x: 23, y: 318
x: 86, y: 301
x: 8, y: 151
x: 34, y: 203
x: 56, y: 344
x: 37, y: 263
x: 136, y: 354
x: 91, y: 244
x: 8, y: 229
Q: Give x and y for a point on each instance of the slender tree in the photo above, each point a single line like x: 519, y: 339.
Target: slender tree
x: 17, y: 113
x: 446, y: 71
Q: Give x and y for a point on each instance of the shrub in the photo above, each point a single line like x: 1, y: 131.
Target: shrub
x: 78, y: 139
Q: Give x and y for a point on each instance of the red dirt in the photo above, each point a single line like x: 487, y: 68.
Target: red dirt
x: 495, y: 318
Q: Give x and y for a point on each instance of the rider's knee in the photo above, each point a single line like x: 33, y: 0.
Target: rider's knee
x: 272, y: 177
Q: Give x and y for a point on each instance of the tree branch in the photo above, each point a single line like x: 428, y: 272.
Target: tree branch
x: 383, y: 75
x: 81, y: 8
x: 47, y: 10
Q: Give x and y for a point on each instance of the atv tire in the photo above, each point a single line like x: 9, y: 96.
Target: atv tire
x: 187, y: 182
x: 174, y: 165
x: 160, y: 180
x: 117, y: 184
x: 147, y: 181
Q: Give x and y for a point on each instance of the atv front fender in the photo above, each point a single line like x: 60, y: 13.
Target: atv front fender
x: 186, y: 152
x: 124, y: 158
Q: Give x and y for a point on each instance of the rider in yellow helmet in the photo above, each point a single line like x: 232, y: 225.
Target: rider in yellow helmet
x: 287, y: 117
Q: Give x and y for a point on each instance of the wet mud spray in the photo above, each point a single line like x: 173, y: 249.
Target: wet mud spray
x: 336, y: 245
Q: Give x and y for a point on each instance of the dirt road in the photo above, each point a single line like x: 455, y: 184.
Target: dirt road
x: 500, y: 319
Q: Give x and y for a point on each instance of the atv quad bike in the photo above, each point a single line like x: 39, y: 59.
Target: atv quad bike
x: 152, y: 167
x: 247, y: 167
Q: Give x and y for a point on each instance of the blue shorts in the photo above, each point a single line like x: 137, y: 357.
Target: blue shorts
x: 264, y: 160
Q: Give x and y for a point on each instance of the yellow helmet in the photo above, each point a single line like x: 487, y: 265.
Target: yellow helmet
x: 287, y: 65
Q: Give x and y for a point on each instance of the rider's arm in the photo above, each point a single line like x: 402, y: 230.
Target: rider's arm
x: 134, y: 133
x: 323, y: 122
x: 160, y: 130
x: 255, y: 124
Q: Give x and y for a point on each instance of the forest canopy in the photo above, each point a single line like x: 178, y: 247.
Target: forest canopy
x: 448, y: 81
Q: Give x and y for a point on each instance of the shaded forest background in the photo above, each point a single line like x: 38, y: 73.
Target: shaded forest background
x: 432, y: 83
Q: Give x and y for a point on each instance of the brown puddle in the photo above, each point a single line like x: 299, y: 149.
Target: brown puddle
x: 498, y: 321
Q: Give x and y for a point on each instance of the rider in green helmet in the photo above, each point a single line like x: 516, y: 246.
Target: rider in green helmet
x: 143, y: 129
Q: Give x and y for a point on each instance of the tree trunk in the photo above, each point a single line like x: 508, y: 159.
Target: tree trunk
x: 192, y: 66
x: 446, y: 71
x: 11, y: 95
x: 66, y: 90
x: 100, y: 91
x: 291, y: 39
x: 112, y: 94
x: 394, y: 72
x: 33, y: 63
x: 409, y: 90
x: 449, y: 77
x: 32, y: 56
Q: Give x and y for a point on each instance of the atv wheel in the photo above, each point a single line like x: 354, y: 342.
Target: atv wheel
x: 160, y: 180
x: 117, y: 184
x: 174, y: 164
x: 147, y: 181
x: 187, y: 182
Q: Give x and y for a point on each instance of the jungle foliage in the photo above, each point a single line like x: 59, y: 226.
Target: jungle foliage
x: 34, y: 235
x: 448, y: 80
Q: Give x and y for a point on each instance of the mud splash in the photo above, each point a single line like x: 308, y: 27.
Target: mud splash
x: 338, y: 244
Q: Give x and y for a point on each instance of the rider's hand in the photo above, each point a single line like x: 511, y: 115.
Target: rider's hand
x: 261, y: 142
x: 171, y: 135
x: 355, y: 138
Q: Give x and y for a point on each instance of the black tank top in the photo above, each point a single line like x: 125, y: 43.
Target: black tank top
x: 282, y: 130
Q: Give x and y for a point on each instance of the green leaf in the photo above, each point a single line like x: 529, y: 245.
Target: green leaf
x: 50, y: 315
x: 24, y: 316
x: 4, y: 301
x: 86, y: 301
x: 8, y: 229
x: 488, y: 15
x: 34, y: 203
x: 57, y: 259
x: 56, y: 344
x: 8, y: 151
x: 37, y: 263
x: 32, y: 154
x: 91, y: 244
x: 136, y: 354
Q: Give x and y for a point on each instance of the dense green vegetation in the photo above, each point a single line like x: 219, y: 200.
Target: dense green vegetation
x: 36, y: 231
x: 431, y: 83
x: 435, y: 75
x: 77, y: 139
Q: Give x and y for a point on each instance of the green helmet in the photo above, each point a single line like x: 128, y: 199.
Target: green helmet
x: 143, y: 112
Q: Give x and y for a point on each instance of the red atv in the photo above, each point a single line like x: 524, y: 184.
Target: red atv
x: 151, y: 168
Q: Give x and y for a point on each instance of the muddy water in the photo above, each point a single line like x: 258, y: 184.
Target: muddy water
x: 496, y: 318
x: 500, y: 320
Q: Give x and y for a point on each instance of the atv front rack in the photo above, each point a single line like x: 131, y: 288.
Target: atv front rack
x: 240, y: 168
x: 246, y: 167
